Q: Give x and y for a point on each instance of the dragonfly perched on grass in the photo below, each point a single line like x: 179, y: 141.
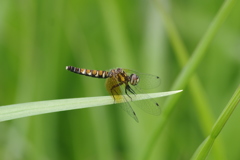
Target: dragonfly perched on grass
x: 123, y: 85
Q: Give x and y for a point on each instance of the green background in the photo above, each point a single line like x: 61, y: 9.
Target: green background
x: 38, y: 39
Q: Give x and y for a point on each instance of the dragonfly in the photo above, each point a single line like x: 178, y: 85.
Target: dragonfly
x: 123, y: 85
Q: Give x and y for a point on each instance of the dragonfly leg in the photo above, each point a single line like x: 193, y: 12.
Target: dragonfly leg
x: 128, y: 88
x: 128, y: 94
x: 112, y: 89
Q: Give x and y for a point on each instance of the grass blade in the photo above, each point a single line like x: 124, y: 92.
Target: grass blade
x: 188, y: 71
x: 14, y: 111
x: 205, y: 147
x: 197, y: 90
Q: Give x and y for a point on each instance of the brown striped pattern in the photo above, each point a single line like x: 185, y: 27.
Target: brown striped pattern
x: 88, y: 72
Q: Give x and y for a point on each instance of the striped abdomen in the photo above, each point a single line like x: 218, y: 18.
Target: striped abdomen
x: 88, y: 72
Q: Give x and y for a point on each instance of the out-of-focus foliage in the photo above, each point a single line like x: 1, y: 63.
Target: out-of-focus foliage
x: 39, y: 38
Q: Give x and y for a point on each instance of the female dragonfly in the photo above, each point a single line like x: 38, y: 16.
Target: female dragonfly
x: 122, y: 84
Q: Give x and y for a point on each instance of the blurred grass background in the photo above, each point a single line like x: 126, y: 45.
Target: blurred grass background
x: 39, y: 38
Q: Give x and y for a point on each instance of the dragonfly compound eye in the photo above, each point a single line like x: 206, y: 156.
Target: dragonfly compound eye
x: 134, y: 79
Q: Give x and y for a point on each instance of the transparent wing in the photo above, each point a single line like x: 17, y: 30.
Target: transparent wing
x: 119, y: 95
x: 146, y: 81
x: 149, y: 105
x: 127, y: 107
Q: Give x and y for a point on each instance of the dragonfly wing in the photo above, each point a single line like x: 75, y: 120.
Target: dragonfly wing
x: 127, y: 107
x: 119, y: 96
x: 146, y: 81
x: 149, y: 105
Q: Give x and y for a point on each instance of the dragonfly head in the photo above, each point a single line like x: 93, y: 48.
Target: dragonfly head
x: 134, y: 79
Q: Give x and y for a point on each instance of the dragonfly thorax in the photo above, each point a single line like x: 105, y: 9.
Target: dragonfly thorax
x: 122, y: 76
x: 134, y: 79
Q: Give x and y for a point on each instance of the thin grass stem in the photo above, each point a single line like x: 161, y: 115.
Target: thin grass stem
x: 188, y: 71
x: 205, y: 147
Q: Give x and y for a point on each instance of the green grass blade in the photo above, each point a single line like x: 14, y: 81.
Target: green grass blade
x: 182, y: 57
x: 196, y: 88
x: 14, y: 111
x: 188, y: 71
x: 199, y: 52
x: 204, y: 148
